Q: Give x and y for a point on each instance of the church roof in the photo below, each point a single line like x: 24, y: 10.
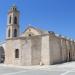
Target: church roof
x: 39, y: 31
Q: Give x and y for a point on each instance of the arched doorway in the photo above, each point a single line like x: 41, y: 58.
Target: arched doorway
x: 70, y: 58
x: 2, y: 55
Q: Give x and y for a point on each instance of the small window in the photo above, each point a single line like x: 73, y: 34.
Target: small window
x: 29, y: 34
x: 17, y: 53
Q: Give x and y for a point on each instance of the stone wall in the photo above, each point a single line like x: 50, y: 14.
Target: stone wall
x: 11, y: 45
x: 45, y: 53
x: 26, y: 52
x: 63, y: 49
x: 36, y: 50
x: 24, y: 46
x: 55, y: 49
x: 73, y: 50
x: 8, y: 52
x: 45, y: 49
x: 69, y: 50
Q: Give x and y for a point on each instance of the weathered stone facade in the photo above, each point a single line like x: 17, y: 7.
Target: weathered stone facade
x: 34, y: 46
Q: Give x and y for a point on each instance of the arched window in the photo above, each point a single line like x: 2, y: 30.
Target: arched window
x: 15, y: 32
x: 15, y: 20
x: 10, y: 19
x: 17, y: 53
x: 9, y: 33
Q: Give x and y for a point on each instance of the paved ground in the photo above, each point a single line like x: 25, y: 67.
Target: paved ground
x: 61, y: 69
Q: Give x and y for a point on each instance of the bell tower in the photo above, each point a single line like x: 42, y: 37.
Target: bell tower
x: 12, y: 23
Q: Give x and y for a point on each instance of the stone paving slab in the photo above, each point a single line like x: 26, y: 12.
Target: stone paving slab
x: 5, y: 70
x: 38, y: 70
x: 71, y: 73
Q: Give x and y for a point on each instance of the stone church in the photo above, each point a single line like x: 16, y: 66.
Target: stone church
x: 34, y: 46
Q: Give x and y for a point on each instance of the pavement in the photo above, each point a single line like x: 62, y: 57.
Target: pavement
x: 59, y: 69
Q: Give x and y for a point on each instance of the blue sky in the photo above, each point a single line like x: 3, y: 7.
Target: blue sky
x: 51, y: 15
